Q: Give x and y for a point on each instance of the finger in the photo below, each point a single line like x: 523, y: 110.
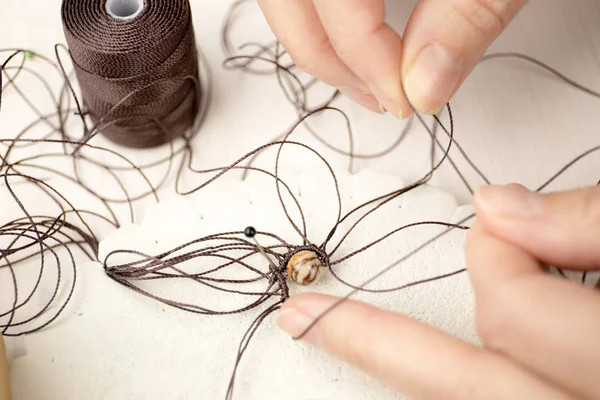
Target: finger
x: 370, y: 47
x: 561, y: 229
x: 444, y: 40
x: 549, y: 325
x: 4, y: 377
x: 413, y: 358
x: 298, y: 28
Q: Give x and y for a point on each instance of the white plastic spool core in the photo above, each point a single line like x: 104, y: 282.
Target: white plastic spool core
x: 124, y: 9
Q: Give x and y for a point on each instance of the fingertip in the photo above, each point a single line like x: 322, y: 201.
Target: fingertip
x: 309, y: 302
x: 407, y: 112
x: 299, y: 313
x: 363, y: 98
x: 432, y: 78
x: 393, y: 101
x: 354, y: 332
x: 558, y: 228
x: 293, y: 322
x: 479, y: 198
x: 513, y: 201
x: 443, y: 43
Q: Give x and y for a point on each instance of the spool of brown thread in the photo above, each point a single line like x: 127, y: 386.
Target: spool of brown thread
x: 143, y: 51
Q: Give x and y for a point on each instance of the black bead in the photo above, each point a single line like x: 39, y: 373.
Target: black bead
x: 250, y: 232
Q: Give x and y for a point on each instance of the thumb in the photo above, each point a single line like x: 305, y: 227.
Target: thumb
x: 561, y: 229
x: 444, y: 40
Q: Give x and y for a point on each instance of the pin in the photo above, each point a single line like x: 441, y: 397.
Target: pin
x: 250, y: 233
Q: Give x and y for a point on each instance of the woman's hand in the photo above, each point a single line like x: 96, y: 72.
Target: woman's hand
x: 540, y: 332
x: 347, y: 44
x: 4, y: 376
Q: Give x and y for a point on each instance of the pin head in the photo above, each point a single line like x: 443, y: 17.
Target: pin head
x: 250, y: 232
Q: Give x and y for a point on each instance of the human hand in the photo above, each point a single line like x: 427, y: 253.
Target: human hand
x: 539, y: 331
x: 4, y: 376
x: 348, y: 45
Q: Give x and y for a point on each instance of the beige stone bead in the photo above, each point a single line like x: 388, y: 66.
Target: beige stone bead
x: 305, y: 268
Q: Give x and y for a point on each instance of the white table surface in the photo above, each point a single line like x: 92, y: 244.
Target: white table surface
x: 517, y: 123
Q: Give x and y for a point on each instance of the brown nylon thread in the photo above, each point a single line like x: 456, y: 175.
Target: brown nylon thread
x: 113, y: 58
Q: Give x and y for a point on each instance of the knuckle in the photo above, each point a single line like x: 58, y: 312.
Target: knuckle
x: 351, y: 45
x: 488, y: 17
x: 308, y: 59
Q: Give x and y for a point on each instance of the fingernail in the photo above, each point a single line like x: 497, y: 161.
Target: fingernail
x: 386, y: 104
x: 364, y: 99
x: 295, y: 322
x: 509, y: 201
x: 432, y: 78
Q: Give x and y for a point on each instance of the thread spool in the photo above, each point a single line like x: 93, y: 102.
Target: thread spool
x: 137, y: 67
